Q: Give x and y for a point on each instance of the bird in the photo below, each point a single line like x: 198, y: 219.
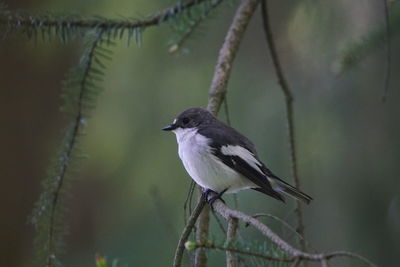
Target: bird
x: 222, y: 160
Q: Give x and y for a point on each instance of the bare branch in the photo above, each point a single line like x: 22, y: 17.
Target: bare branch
x: 288, y: 226
x: 227, y: 213
x: 289, y: 113
x: 219, y: 223
x: 217, y: 90
x: 203, y: 222
x: 324, y: 263
x: 228, y: 52
x: 230, y: 236
x: 210, y: 245
x: 186, y: 232
x: 296, y: 262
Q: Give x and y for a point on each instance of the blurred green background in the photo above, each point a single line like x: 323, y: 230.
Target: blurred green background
x: 127, y: 201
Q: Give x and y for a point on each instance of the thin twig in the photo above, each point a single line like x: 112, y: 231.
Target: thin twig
x: 388, y: 51
x: 288, y: 226
x: 163, y: 215
x: 350, y: 255
x: 324, y: 263
x: 188, y: 201
x: 230, y: 236
x: 186, y: 232
x: 289, y: 113
x: 296, y: 262
x: 227, y: 213
x: 210, y: 245
x: 203, y: 223
x: 219, y: 223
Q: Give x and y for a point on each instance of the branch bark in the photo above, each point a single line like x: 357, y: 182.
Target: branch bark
x: 186, y: 232
x: 203, y: 222
x: 101, y: 24
x: 295, y: 253
x: 289, y: 114
x: 217, y: 94
x: 230, y: 236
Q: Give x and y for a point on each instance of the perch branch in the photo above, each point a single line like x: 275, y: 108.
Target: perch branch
x: 219, y: 82
x: 295, y: 253
x: 289, y: 113
x: 217, y: 89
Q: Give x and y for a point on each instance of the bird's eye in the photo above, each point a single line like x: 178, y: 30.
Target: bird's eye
x: 185, y: 121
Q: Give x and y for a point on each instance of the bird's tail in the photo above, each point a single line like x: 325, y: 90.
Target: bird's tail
x: 281, y: 186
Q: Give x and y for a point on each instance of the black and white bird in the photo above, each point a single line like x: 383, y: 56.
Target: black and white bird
x: 220, y: 159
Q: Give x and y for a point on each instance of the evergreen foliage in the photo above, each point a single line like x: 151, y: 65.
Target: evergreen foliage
x: 357, y: 50
x: 80, y: 90
x: 188, y: 21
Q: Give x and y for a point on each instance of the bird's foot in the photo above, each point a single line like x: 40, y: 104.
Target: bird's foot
x: 211, y: 200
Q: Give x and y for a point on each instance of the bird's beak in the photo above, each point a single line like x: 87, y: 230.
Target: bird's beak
x: 170, y: 127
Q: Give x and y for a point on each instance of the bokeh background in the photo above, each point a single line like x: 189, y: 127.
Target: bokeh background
x: 127, y: 201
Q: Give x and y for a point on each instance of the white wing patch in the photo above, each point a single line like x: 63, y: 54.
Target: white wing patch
x: 244, y: 154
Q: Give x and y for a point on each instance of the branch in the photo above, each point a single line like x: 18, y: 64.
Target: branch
x: 289, y: 113
x: 210, y: 245
x: 230, y: 236
x: 118, y: 27
x: 288, y: 226
x: 186, y: 232
x: 217, y: 89
x: 295, y: 253
x: 228, y: 52
x: 203, y: 223
x: 48, y: 208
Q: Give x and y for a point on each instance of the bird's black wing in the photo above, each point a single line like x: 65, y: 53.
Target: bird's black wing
x: 237, y: 162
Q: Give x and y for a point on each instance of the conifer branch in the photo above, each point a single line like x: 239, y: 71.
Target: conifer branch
x: 193, y: 24
x: 355, y: 51
x: 289, y: 113
x: 78, y: 93
x: 64, y: 26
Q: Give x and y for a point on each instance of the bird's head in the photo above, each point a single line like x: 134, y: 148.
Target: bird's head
x: 190, y: 118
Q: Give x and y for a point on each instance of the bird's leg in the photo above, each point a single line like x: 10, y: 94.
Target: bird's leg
x: 205, y: 194
x: 217, y: 196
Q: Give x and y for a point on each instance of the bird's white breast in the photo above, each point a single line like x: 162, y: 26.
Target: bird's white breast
x: 204, y: 167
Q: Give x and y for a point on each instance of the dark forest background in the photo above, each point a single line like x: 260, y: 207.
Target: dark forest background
x: 127, y: 200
